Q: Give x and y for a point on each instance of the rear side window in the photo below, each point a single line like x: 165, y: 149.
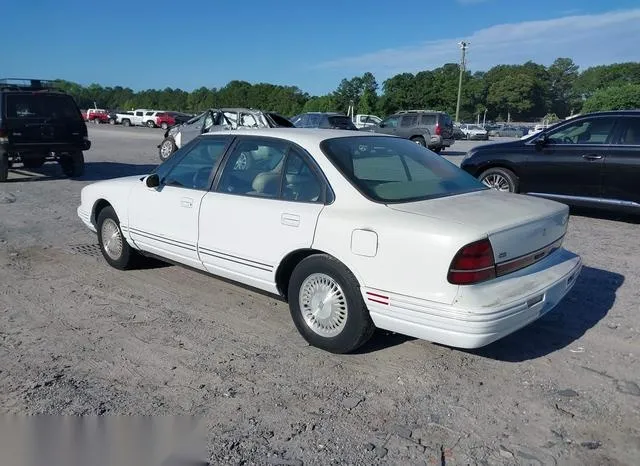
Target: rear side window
x: 428, y: 120
x: 409, y: 121
x: 630, y: 134
x: 313, y: 121
x: 341, y: 122
x: 41, y: 106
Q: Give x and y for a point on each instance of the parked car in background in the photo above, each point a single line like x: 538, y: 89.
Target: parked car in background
x: 507, y: 131
x: 96, y: 115
x: 40, y: 123
x: 325, y: 120
x: 167, y: 119
x: 362, y: 121
x: 475, y: 132
x: 425, y: 250
x: 591, y: 160
x: 428, y: 128
x: 458, y: 133
x: 133, y: 117
x: 216, y: 120
x: 149, y: 118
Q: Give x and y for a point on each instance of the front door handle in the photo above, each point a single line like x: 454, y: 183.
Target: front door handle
x: 592, y: 157
x: 186, y: 202
x: 291, y: 220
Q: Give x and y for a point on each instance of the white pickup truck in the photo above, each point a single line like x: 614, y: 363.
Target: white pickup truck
x: 363, y: 121
x: 138, y: 117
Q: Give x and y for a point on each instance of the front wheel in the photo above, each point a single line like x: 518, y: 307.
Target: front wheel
x: 72, y: 164
x: 326, y: 305
x: 500, y: 179
x: 167, y: 147
x: 113, y: 244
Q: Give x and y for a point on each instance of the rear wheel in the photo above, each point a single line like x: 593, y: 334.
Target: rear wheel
x: 112, y: 121
x: 167, y: 147
x: 72, y: 164
x: 500, y: 179
x: 164, y: 125
x: 419, y: 140
x: 126, y: 122
x: 437, y: 150
x: 113, y: 244
x: 33, y: 162
x: 151, y: 124
x: 326, y: 305
x: 4, y: 167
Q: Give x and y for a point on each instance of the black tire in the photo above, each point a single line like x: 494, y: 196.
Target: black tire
x: 151, y: 124
x: 112, y: 121
x: 164, y: 125
x: 72, y: 164
x: 126, y: 122
x: 510, y: 178
x: 33, y: 162
x: 128, y: 256
x: 437, y: 150
x: 357, y: 328
x: 419, y: 140
x: 4, y: 167
x: 169, y: 146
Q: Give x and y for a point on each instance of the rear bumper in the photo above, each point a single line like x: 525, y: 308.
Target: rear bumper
x: 476, y: 327
x: 439, y: 141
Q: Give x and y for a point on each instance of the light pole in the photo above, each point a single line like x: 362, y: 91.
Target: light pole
x: 463, y: 46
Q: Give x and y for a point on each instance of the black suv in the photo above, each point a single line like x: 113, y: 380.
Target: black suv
x: 326, y: 120
x: 40, y: 123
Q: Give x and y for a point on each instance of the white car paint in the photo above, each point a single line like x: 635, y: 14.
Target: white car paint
x: 400, y: 253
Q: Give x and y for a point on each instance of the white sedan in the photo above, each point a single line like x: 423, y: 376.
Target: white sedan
x: 355, y: 230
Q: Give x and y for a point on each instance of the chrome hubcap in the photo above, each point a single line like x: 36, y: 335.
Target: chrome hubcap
x: 111, y: 239
x: 323, y: 305
x: 166, y: 149
x: 497, y: 182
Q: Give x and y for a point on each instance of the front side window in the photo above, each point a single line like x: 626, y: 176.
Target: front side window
x: 313, y: 121
x: 391, y: 122
x: 194, y: 168
x: 409, y: 121
x: 254, y: 168
x: 592, y: 131
x: 387, y: 169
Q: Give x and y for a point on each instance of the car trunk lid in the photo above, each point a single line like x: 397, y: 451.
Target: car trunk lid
x: 516, y: 225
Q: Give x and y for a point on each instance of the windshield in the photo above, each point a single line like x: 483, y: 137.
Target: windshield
x: 475, y: 127
x: 390, y: 170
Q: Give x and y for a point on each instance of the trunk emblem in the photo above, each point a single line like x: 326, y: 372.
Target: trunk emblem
x: 502, y: 255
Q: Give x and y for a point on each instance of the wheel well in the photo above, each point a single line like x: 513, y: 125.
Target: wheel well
x: 484, y: 168
x: 286, y: 267
x: 97, y: 208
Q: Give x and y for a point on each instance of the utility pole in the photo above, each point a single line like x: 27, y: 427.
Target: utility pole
x: 463, y: 46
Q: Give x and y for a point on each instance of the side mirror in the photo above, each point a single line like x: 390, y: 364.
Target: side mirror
x: 382, y: 125
x: 542, y: 141
x: 153, y: 181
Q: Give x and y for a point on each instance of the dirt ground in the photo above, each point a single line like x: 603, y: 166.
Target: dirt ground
x: 78, y: 337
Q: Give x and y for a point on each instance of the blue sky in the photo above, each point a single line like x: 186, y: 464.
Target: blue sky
x: 309, y: 44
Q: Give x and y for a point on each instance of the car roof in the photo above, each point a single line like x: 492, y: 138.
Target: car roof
x: 301, y: 136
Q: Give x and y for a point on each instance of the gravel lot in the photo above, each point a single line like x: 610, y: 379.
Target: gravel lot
x: 78, y: 337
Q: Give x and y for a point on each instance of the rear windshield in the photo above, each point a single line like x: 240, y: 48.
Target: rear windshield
x: 41, y: 106
x: 390, y: 170
x: 341, y: 122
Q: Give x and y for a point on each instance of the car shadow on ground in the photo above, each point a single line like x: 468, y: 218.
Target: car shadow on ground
x: 93, y: 171
x: 382, y: 340
x: 587, y: 304
x: 605, y: 215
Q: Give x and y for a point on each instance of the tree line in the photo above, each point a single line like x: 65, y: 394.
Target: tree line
x: 524, y: 92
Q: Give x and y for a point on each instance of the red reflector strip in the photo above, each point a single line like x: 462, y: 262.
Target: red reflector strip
x: 525, y: 261
x: 377, y: 298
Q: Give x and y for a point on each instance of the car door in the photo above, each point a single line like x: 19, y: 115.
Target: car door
x: 407, y: 126
x: 569, y: 160
x: 192, y: 130
x: 389, y: 125
x: 621, y: 180
x: 164, y: 220
x: 265, y: 204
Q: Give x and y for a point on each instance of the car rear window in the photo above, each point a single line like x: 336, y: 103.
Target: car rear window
x: 391, y: 170
x: 445, y: 120
x: 41, y: 106
x: 341, y: 122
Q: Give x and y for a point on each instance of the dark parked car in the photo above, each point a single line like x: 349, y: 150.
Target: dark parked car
x: 428, y: 128
x: 591, y: 160
x: 325, y: 120
x: 39, y: 123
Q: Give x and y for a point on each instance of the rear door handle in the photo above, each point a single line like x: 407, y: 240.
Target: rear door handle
x: 291, y: 220
x: 592, y: 157
x: 186, y: 202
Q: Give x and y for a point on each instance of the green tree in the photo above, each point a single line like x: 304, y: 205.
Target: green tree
x: 623, y: 97
x: 563, y: 74
x: 324, y: 103
x: 600, y: 77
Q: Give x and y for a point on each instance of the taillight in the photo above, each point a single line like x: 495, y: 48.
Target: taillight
x: 4, y: 135
x: 474, y: 263
x: 438, y: 129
